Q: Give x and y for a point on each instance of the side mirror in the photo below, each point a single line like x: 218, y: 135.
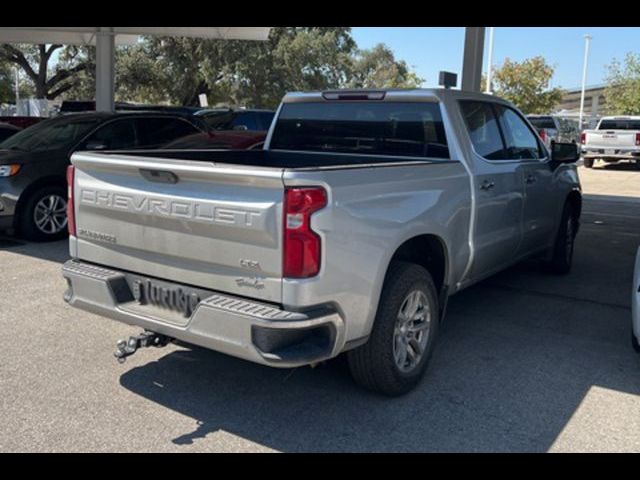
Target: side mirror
x: 564, y: 152
x: 96, y: 145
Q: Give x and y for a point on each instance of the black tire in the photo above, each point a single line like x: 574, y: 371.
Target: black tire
x: 562, y: 255
x: 634, y: 342
x: 588, y: 162
x: 26, y: 224
x: 637, y: 163
x: 373, y: 365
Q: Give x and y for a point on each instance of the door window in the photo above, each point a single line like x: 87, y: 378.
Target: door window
x: 521, y: 143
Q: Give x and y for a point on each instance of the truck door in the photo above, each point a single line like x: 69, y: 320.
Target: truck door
x: 541, y: 202
x: 499, y: 191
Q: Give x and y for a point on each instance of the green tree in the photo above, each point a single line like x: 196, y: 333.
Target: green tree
x: 49, y: 82
x: 293, y: 59
x: 378, y: 68
x: 254, y: 74
x: 7, y: 83
x: 526, y: 85
x: 622, y: 92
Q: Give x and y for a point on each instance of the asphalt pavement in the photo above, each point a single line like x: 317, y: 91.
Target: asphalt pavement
x: 526, y: 361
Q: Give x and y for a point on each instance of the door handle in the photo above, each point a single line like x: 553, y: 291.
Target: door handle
x: 487, y: 185
x: 159, y: 176
x: 531, y: 179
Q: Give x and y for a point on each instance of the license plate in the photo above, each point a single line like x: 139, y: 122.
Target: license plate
x: 609, y: 151
x: 167, y: 296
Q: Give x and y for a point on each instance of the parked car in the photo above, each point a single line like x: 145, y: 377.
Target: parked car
x: 228, y: 119
x: 220, y: 140
x: 613, y: 140
x: 7, y: 130
x: 552, y: 128
x: 635, y: 306
x: 364, y: 213
x: 33, y: 189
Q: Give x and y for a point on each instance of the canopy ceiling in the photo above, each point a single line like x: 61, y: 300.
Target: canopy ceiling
x: 124, y: 35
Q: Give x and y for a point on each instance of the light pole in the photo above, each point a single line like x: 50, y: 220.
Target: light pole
x: 587, y: 43
x: 490, y: 62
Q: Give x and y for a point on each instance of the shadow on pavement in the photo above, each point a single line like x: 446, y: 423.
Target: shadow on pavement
x: 50, y: 251
x: 619, y: 167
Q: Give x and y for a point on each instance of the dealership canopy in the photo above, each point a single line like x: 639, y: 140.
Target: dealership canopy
x: 106, y: 38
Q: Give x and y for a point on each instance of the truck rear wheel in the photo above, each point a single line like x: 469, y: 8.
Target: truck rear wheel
x: 395, y: 358
x: 588, y: 163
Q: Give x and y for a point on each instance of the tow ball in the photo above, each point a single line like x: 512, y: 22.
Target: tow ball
x: 126, y: 348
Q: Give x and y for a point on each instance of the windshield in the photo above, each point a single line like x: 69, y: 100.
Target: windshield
x: 395, y: 129
x: 49, y: 135
x: 619, y: 125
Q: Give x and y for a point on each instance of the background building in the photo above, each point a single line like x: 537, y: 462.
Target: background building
x: 594, y: 103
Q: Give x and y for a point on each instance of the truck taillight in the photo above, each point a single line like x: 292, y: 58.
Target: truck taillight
x: 71, y: 216
x: 637, y: 139
x: 302, y: 246
x: 583, y: 138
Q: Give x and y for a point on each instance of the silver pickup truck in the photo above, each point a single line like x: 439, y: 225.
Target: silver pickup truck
x: 364, y: 213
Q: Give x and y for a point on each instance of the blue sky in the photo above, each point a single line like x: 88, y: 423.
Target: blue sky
x: 431, y: 49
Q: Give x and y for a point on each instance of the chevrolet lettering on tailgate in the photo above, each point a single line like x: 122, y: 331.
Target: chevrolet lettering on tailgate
x: 179, y: 209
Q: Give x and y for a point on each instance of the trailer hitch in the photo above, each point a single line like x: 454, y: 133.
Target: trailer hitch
x: 126, y: 348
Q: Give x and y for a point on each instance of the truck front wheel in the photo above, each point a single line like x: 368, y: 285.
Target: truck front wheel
x: 588, y: 163
x: 44, y: 215
x: 562, y: 254
x: 395, y: 358
x: 634, y: 342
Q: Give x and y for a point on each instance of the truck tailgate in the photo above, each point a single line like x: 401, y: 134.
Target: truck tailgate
x: 212, y: 226
x: 611, y: 138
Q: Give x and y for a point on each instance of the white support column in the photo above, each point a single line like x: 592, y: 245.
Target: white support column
x: 105, y: 70
x: 472, y: 61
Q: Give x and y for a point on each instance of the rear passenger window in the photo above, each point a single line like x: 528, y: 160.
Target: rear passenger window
x: 384, y: 128
x: 483, y: 129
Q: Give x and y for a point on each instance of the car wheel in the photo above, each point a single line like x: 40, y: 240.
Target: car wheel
x: 562, y: 255
x: 588, y: 163
x: 395, y: 357
x: 44, y: 216
x: 634, y: 342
